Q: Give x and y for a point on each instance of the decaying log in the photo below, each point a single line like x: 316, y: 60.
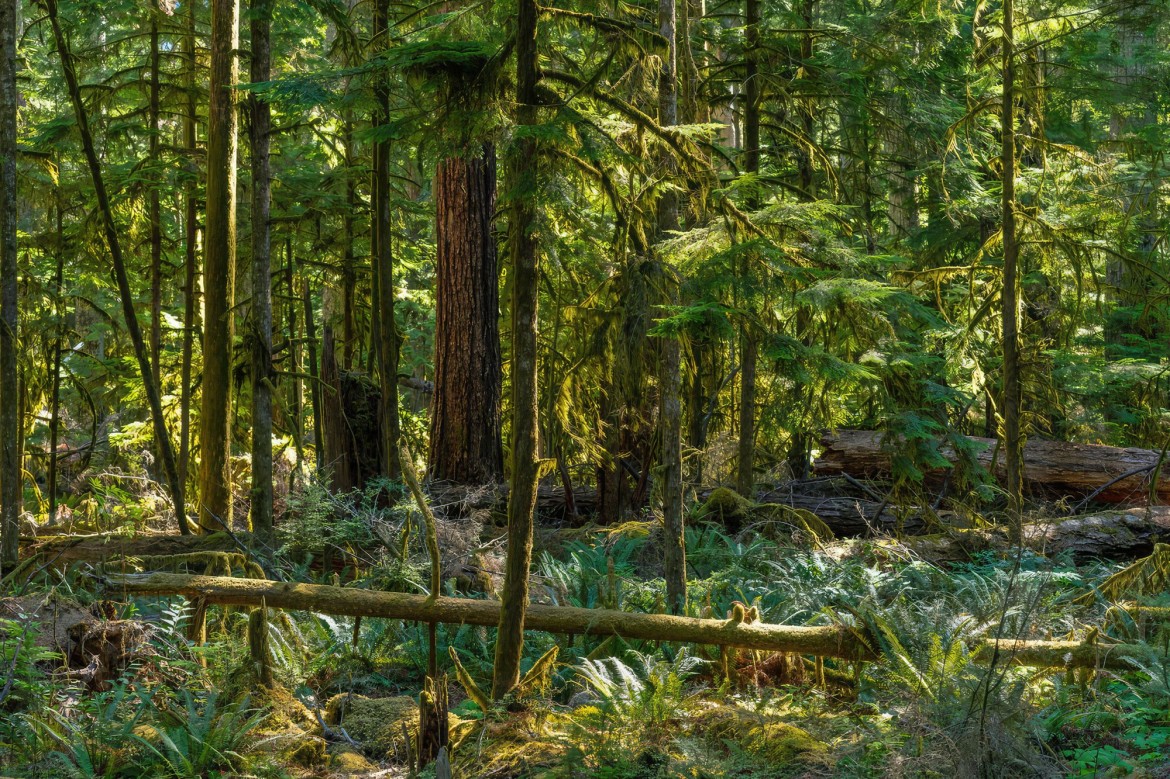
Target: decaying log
x: 1056, y: 469
x: 825, y: 641
x: 1110, y: 534
x: 99, y: 548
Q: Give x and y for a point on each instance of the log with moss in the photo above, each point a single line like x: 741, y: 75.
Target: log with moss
x: 1114, y: 535
x: 1055, y: 469
x: 1065, y: 654
x: 99, y: 548
x: 825, y: 641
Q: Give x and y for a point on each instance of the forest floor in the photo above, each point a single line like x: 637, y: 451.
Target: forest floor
x: 136, y: 697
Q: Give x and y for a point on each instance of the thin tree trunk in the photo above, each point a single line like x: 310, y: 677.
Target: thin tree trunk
x: 384, y: 269
x: 670, y: 380
x: 523, y: 251
x: 55, y: 362
x: 314, y: 372
x: 1012, y: 440
x: 261, y: 115
x: 348, y: 271
x: 219, y: 270
x: 110, y: 232
x: 296, y: 386
x: 745, y: 479
x: 190, y: 267
x: 10, y: 474
x: 465, y: 407
x: 154, y: 215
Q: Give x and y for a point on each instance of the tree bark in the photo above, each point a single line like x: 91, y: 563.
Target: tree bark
x: 55, y: 359
x: 465, y: 407
x: 219, y: 270
x: 523, y: 251
x: 1055, y: 469
x: 261, y: 310
x: 190, y: 262
x: 384, y: 268
x: 1013, y: 442
x: 110, y: 233
x: 154, y: 213
x: 748, y: 350
x: 10, y: 470
x: 670, y: 380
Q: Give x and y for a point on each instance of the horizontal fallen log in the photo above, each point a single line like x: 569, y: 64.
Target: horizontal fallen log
x: 838, y: 641
x: 1065, y: 654
x: 99, y: 548
x: 1057, y: 469
x: 1111, y: 535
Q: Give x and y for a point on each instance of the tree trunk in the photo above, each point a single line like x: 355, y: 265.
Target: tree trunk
x: 748, y: 350
x: 1013, y: 442
x: 384, y: 269
x: 219, y: 270
x: 55, y: 359
x: 154, y: 215
x: 110, y: 233
x: 10, y: 471
x: 670, y: 380
x: 190, y: 262
x: 262, y: 373
x: 523, y: 252
x: 465, y: 407
x: 1054, y: 469
x: 314, y: 374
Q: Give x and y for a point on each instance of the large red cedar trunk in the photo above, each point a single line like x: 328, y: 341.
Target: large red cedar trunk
x: 465, y: 408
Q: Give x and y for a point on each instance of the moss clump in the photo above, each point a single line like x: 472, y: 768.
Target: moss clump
x: 380, y: 725
x: 726, y: 506
x: 764, y: 738
x: 347, y: 761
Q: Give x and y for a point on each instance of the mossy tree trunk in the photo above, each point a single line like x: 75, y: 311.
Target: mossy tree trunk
x: 523, y: 252
x: 670, y: 380
x: 261, y: 309
x: 10, y: 471
x: 219, y: 270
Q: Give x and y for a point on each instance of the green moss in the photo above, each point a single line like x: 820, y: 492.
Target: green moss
x: 727, y: 506
x: 347, y: 761
x: 382, y: 725
x: 765, y: 738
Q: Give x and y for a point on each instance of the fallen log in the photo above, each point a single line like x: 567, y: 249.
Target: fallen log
x: 1111, y: 534
x: 838, y: 641
x: 99, y: 548
x: 1056, y: 469
x: 1065, y: 654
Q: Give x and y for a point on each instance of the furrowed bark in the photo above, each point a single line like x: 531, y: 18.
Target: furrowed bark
x: 190, y: 266
x: 1013, y: 442
x: 465, y: 407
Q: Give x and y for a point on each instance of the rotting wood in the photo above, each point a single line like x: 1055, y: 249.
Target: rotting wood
x: 1109, y: 474
x: 838, y: 641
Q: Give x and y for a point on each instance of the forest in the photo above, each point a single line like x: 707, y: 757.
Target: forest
x: 626, y: 389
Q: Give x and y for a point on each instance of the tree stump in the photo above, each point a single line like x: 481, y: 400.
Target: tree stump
x: 433, y: 725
